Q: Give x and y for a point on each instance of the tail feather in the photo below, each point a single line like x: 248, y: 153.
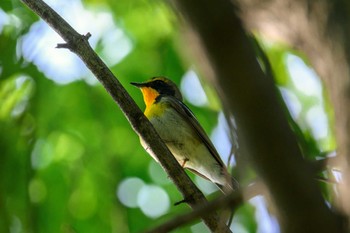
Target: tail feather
x: 229, y: 186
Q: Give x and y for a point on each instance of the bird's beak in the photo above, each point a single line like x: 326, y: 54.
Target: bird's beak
x: 139, y: 85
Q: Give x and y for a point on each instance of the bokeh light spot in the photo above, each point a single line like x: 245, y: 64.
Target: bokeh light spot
x: 265, y: 221
x: 66, y: 146
x: 37, y: 191
x: 220, y: 138
x: 292, y: 102
x: 16, y: 225
x: 153, y: 201
x: 192, y: 89
x: 205, y: 186
x: 61, y: 66
x: 238, y: 227
x: 128, y: 191
x: 317, y: 119
x: 4, y: 19
x: 15, y: 93
x: 157, y: 173
x: 304, y: 78
x: 116, y: 45
x: 42, y: 154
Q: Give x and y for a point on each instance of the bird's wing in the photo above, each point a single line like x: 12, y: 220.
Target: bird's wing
x: 187, y: 114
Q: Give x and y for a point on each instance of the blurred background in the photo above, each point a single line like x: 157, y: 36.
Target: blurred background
x: 69, y: 160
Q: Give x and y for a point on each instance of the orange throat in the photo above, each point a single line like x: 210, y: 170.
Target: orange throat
x: 149, y: 95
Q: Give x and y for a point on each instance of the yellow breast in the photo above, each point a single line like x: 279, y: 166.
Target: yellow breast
x: 155, y: 110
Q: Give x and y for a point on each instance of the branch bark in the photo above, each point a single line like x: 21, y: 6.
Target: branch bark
x: 263, y: 130
x: 320, y: 29
x: 231, y: 201
x: 79, y: 45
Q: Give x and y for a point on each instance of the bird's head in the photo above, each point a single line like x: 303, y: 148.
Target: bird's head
x: 158, y: 86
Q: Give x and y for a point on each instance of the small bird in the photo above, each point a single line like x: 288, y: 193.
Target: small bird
x: 181, y: 132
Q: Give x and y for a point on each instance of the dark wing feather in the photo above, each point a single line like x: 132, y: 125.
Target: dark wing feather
x: 186, y: 113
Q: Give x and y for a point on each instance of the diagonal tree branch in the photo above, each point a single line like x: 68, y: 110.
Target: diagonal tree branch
x: 79, y: 45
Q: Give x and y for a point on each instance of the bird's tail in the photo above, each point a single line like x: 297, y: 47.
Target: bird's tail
x: 230, y: 185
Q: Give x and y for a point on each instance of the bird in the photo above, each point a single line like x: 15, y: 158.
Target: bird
x: 182, y: 133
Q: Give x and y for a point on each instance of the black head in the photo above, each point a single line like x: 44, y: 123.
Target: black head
x: 162, y: 85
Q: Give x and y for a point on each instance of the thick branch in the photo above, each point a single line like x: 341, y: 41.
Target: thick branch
x: 80, y: 46
x: 320, y: 30
x: 263, y: 130
x: 231, y: 201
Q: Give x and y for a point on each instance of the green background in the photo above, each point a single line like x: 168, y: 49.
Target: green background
x: 65, y: 147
